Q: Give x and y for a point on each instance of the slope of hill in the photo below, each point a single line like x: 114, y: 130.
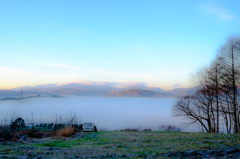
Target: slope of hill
x: 179, y: 92
x: 138, y: 93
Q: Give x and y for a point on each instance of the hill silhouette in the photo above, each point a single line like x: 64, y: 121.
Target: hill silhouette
x: 138, y: 93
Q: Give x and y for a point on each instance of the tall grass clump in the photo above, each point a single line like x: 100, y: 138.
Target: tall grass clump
x: 65, y: 132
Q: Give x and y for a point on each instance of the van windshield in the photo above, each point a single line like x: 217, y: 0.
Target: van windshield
x: 87, y: 124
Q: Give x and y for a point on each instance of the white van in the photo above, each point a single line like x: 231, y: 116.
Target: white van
x: 89, y: 127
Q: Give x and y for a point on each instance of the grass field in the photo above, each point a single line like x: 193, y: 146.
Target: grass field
x: 121, y: 143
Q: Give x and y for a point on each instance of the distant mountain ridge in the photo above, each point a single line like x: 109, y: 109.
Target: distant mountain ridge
x: 138, y: 93
x: 93, y: 89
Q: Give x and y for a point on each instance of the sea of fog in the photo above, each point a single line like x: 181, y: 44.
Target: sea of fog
x: 106, y: 113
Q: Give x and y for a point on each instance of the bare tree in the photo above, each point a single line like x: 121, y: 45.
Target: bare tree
x: 230, y: 59
x: 186, y: 107
x: 214, y: 76
x: 217, y: 92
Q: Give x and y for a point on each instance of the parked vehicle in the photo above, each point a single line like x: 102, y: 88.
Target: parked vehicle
x: 89, y: 127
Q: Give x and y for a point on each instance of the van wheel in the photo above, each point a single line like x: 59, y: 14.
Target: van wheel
x: 95, y: 129
x: 80, y: 127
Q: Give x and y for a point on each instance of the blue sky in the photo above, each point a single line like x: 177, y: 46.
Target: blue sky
x: 157, y: 42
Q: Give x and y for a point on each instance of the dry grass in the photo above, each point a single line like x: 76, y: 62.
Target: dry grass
x: 65, y: 132
x: 14, y: 139
x: 33, y: 133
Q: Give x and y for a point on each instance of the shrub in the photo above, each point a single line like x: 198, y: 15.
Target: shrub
x: 132, y: 129
x: 127, y: 129
x: 168, y: 128
x: 147, y: 129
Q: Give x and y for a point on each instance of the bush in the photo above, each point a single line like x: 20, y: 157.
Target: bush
x: 18, y: 124
x: 168, y: 128
x: 127, y: 129
x: 132, y: 129
x: 147, y: 129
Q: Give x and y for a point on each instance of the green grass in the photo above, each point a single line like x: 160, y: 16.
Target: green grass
x: 56, y: 143
x: 166, y: 141
x: 140, y: 143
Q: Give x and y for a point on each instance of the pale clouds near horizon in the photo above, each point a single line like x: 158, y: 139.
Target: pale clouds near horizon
x: 59, y: 65
x: 13, y: 77
x: 177, y: 85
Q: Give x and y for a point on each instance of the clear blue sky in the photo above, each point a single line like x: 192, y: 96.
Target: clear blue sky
x: 157, y: 42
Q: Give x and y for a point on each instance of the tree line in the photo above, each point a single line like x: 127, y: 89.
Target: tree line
x: 215, y: 104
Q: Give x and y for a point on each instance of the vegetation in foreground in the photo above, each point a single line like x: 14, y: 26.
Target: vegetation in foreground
x: 126, y: 144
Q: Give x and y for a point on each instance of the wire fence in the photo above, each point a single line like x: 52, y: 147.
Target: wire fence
x: 40, y: 123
